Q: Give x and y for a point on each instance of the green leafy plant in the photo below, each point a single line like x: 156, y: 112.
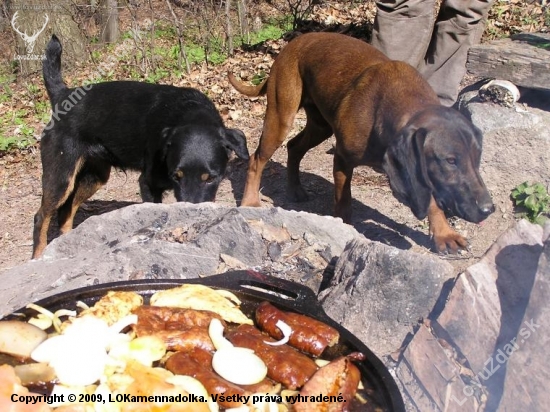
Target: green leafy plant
x: 258, y: 78
x: 533, y: 201
x: 5, y: 93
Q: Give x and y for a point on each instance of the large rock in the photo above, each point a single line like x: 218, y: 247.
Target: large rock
x: 380, y: 293
x: 525, y: 386
x: 493, y: 293
x: 430, y: 375
x: 487, y: 345
x: 149, y: 241
x: 516, y: 145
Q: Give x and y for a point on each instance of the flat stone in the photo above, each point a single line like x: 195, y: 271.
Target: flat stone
x: 168, y: 241
x: 481, y: 306
x: 380, y: 293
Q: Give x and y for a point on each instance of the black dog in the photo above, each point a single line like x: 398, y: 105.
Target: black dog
x: 174, y: 136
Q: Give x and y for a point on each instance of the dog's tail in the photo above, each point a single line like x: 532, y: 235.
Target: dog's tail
x: 51, y: 69
x: 250, y: 91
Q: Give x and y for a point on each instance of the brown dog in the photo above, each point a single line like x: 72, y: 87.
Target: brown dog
x: 383, y: 114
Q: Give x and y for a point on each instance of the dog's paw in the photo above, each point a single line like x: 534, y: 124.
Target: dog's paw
x: 449, y: 242
x: 251, y: 202
x: 297, y: 194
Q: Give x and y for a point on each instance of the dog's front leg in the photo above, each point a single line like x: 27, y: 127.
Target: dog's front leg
x: 445, y: 238
x: 342, y: 188
x: 148, y: 194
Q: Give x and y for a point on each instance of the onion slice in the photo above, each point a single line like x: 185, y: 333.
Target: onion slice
x: 215, y: 331
x: 287, y: 331
x: 240, y: 366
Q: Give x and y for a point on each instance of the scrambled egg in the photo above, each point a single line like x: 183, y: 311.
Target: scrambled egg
x: 114, y: 306
x: 201, y: 297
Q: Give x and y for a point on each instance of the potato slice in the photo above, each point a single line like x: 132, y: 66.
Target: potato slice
x: 20, y: 338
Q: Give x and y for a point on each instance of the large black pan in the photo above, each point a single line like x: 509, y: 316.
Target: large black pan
x: 252, y: 288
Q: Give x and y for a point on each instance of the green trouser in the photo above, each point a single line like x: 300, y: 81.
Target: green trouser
x: 405, y: 30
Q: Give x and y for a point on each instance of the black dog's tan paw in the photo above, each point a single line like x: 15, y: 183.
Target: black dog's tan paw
x: 449, y: 242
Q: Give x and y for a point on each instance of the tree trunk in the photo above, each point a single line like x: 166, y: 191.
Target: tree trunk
x: 243, y: 20
x: 109, y: 21
x: 33, y: 22
x: 229, y: 27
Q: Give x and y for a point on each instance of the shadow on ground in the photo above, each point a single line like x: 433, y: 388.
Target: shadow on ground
x: 373, y: 224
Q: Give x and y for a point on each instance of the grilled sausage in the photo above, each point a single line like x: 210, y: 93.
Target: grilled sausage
x: 284, y: 364
x: 197, y: 364
x: 180, y: 329
x: 308, y: 335
x: 332, y: 388
x: 154, y: 318
x: 186, y: 340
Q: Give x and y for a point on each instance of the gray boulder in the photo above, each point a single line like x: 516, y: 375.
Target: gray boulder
x: 381, y: 293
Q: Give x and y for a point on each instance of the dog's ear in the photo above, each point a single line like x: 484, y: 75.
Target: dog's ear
x: 405, y: 165
x: 235, y: 140
x: 478, y: 142
x: 166, y: 135
x: 478, y: 135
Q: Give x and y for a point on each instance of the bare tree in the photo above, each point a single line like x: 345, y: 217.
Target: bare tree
x: 32, y: 24
x: 109, y: 21
x: 182, y: 54
x: 229, y: 27
x: 242, y: 13
x: 300, y: 9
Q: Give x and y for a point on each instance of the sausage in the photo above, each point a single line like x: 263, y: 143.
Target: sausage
x: 197, y: 364
x: 266, y: 385
x: 155, y: 318
x: 180, y: 329
x: 332, y: 388
x: 308, y: 334
x: 186, y: 340
x: 284, y: 364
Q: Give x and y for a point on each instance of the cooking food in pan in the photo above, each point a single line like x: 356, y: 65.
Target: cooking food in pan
x: 195, y: 351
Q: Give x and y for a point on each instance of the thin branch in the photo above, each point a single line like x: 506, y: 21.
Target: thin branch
x: 182, y: 53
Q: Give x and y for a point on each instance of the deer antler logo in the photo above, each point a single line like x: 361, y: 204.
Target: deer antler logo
x: 30, y: 41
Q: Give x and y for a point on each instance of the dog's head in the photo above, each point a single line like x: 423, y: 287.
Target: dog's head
x: 438, y: 153
x: 196, y: 158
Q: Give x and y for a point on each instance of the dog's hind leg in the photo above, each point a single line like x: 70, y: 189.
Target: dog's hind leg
x: 317, y: 130
x: 343, y: 173
x: 283, y: 102
x: 56, y: 190
x: 92, y: 177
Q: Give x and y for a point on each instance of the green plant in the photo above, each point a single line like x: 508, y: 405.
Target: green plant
x: 157, y: 75
x: 6, y: 93
x: 22, y: 137
x: 258, y: 78
x: 272, y: 31
x: 533, y: 200
x: 33, y: 89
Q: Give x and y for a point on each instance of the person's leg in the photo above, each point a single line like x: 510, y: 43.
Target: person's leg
x: 459, y: 25
x: 403, y: 28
